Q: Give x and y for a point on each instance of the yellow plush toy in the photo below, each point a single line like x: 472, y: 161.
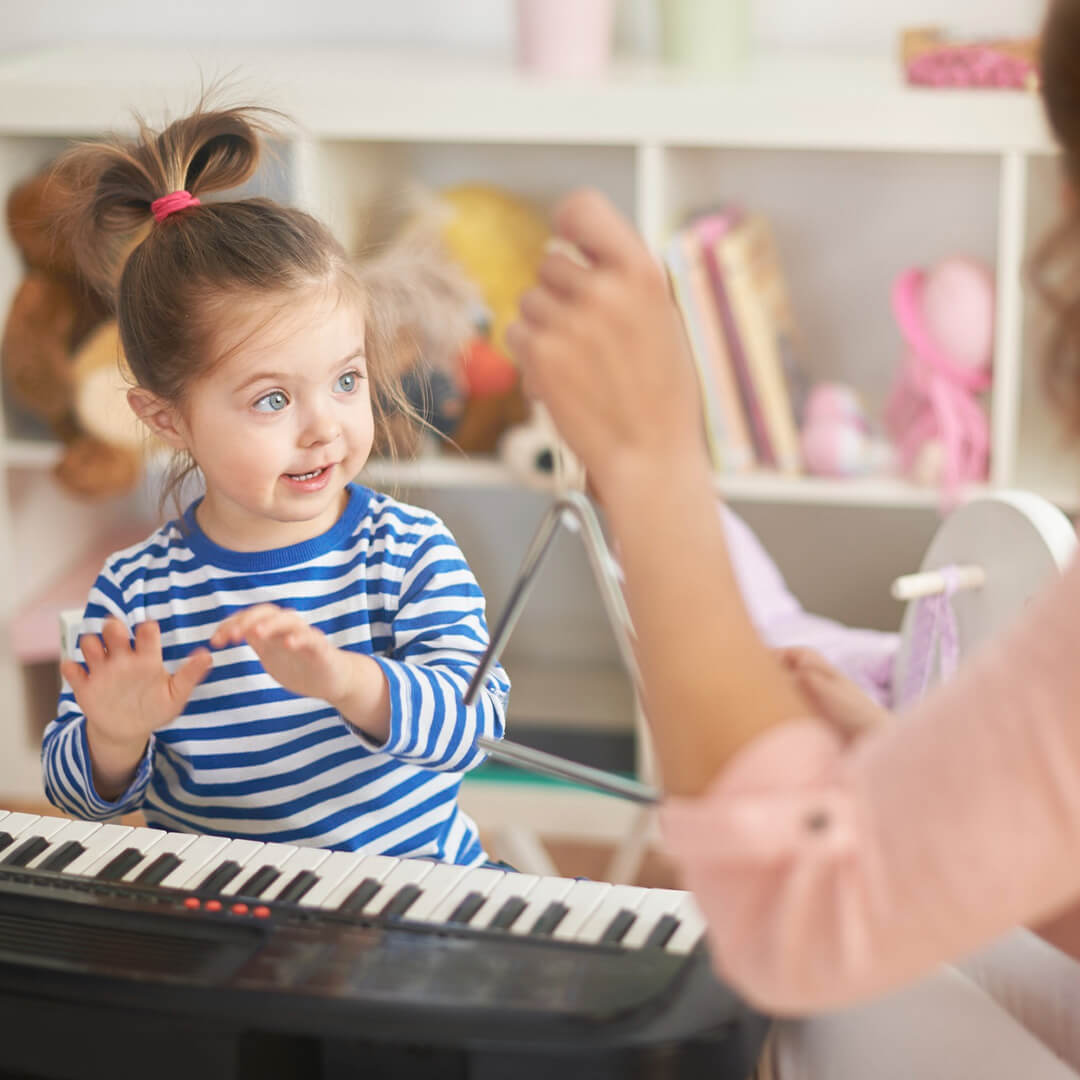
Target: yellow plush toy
x: 498, y: 239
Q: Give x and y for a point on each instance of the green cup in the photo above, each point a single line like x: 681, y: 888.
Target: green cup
x: 706, y: 36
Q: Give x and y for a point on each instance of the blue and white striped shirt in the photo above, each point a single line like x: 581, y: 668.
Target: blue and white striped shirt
x: 248, y: 758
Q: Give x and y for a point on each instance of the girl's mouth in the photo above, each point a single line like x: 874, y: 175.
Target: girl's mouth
x: 301, y: 477
x: 312, y: 481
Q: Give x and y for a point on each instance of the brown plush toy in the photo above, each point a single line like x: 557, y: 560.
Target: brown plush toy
x: 51, y: 316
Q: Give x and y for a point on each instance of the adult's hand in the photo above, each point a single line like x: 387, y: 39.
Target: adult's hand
x: 602, y: 346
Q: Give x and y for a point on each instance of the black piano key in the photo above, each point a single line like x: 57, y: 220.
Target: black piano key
x: 219, y: 877
x: 402, y: 900
x: 617, y: 927
x: 27, y: 850
x: 354, y: 903
x: 507, y: 915
x: 298, y: 888
x: 549, y: 918
x: 261, y: 880
x: 120, y: 864
x: 470, y: 904
x: 5, y: 840
x: 66, y: 853
x: 661, y: 932
x: 158, y: 870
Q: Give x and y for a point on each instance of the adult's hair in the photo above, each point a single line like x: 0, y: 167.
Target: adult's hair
x: 1056, y: 263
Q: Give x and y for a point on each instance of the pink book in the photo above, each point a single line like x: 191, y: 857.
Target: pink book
x: 711, y: 229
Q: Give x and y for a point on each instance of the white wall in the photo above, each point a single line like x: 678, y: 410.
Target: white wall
x: 476, y: 24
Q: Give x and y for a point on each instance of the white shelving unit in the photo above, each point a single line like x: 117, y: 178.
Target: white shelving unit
x: 860, y: 175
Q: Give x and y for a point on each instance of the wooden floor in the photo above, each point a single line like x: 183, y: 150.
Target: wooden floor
x: 572, y: 860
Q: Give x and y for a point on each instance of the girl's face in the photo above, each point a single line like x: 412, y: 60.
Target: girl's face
x: 282, y: 424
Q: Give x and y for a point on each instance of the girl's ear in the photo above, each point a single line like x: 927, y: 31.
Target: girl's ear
x: 159, y: 416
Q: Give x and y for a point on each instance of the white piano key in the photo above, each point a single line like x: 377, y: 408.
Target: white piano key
x: 548, y: 889
x: 46, y: 827
x: 197, y: 859
x: 72, y: 830
x: 16, y: 824
x: 305, y: 858
x: 369, y: 866
x: 267, y: 855
x: 338, y: 866
x: 511, y: 885
x: 582, y: 900
x: 142, y: 839
x: 620, y: 897
x: 168, y: 843
x: 653, y: 908
x: 481, y: 880
x: 407, y: 872
x: 98, y: 845
x: 436, y: 884
x: 691, y: 927
x: 241, y: 852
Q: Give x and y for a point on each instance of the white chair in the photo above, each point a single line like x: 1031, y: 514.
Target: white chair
x: 984, y: 564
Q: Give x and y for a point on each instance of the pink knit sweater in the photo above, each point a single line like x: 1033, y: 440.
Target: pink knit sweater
x: 829, y: 871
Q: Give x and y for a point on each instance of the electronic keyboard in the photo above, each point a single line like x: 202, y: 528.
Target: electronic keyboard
x: 135, y: 951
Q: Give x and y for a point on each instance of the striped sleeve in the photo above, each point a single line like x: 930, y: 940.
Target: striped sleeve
x: 439, y: 635
x: 65, y: 752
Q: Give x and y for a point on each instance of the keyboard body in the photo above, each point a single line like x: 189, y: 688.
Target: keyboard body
x: 101, y: 974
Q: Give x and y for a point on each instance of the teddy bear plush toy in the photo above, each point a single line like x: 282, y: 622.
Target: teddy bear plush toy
x: 53, y: 314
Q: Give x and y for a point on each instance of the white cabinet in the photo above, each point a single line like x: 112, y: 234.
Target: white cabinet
x: 860, y: 175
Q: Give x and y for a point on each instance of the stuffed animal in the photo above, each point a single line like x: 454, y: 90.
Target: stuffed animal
x: 462, y: 385
x: 836, y: 437
x: 933, y: 414
x: 51, y: 316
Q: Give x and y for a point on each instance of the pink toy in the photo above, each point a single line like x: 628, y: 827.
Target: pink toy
x: 836, y: 439
x: 939, y: 428
x: 933, y: 58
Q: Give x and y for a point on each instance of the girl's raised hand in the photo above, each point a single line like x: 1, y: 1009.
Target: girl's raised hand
x: 296, y: 654
x: 126, y: 692
x: 602, y: 346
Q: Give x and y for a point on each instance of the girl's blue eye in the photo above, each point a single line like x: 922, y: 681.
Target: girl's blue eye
x: 275, y: 401
x: 348, y: 382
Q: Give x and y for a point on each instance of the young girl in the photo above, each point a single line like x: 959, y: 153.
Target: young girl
x: 835, y: 870
x: 285, y: 661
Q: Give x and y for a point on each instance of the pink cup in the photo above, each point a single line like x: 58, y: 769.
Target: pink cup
x: 565, y: 37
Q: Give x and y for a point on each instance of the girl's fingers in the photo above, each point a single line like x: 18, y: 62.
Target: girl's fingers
x: 190, y: 673
x: 275, y: 625
x: 148, y: 640
x: 116, y: 637
x: 75, y: 674
x: 93, y: 651
x: 236, y: 627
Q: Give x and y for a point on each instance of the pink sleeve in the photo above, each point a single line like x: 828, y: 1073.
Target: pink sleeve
x: 831, y: 871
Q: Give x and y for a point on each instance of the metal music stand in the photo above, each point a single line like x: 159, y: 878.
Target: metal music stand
x: 572, y: 511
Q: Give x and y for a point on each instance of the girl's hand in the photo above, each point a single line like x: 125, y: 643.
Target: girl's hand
x: 603, y: 347
x: 296, y: 654
x: 832, y: 696
x: 126, y: 693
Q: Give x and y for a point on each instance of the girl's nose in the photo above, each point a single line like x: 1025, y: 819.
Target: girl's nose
x: 320, y: 427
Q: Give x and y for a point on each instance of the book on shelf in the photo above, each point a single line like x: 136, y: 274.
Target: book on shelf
x: 712, y: 417
x: 761, y: 322
x: 709, y: 229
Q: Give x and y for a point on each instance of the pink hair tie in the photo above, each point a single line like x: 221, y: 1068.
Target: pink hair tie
x: 169, y: 204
